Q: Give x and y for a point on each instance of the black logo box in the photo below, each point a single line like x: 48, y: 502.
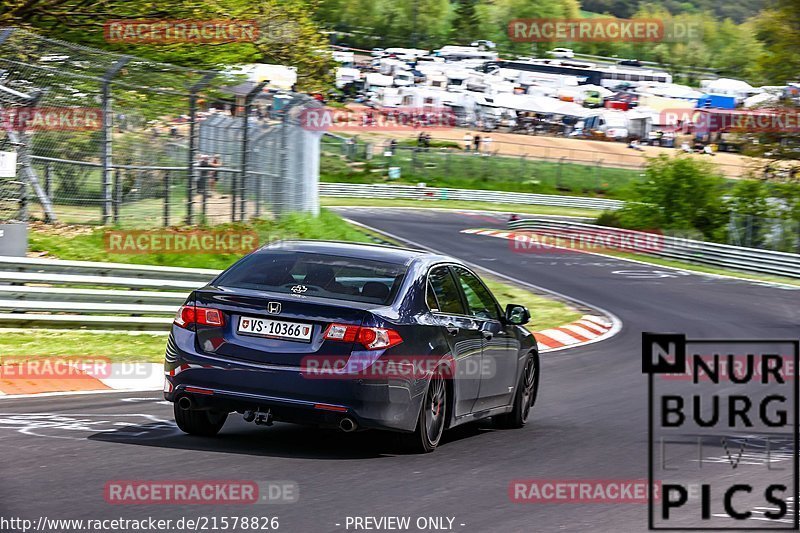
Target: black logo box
x: 674, y: 344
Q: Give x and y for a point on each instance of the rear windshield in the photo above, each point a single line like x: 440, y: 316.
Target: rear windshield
x: 320, y: 275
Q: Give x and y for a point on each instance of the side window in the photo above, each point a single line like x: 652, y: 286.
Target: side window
x: 480, y: 301
x: 446, y: 291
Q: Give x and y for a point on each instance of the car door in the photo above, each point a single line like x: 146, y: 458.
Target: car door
x: 447, y: 307
x: 499, y: 354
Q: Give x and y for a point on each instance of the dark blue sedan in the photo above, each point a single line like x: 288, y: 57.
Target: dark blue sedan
x: 350, y: 336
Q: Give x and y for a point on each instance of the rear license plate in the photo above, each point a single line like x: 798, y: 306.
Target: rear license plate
x: 279, y: 329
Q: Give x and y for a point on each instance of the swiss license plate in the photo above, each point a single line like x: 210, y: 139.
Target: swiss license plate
x: 280, y: 329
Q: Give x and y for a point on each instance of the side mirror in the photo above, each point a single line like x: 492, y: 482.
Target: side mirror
x: 517, y: 314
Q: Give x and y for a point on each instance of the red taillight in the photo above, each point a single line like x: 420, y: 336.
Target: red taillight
x: 370, y: 338
x: 341, y: 332
x: 190, y: 314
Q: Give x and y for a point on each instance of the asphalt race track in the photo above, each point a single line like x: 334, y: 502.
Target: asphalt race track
x: 590, y: 421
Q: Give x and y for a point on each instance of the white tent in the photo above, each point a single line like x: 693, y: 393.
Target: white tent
x: 539, y: 104
x: 758, y: 100
x: 674, y: 91
x: 729, y: 87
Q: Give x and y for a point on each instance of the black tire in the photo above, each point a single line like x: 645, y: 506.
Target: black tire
x: 525, y: 397
x: 200, y: 423
x: 432, y: 417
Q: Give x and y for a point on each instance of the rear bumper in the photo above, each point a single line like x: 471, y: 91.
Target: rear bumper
x: 291, y: 396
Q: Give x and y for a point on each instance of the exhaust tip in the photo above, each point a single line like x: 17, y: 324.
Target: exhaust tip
x: 347, y: 425
x: 185, y: 403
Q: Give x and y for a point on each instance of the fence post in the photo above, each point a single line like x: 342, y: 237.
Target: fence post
x: 192, y: 178
x: 234, y: 192
x: 248, y: 102
x: 117, y: 196
x: 259, y: 184
x: 48, y: 181
x: 108, y: 125
x: 166, y: 198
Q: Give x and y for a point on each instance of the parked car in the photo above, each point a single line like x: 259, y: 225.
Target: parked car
x: 308, y: 332
x: 562, y: 53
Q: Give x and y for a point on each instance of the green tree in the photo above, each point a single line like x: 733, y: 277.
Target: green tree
x: 779, y: 29
x: 749, y: 205
x: 287, y: 33
x: 679, y: 193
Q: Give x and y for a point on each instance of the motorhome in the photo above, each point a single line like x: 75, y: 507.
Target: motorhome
x: 279, y: 77
x: 458, y: 53
x: 347, y: 59
x: 406, y: 54
x: 375, y: 79
x: 607, y: 124
x: 587, y: 73
x: 346, y: 75
x: 456, y: 79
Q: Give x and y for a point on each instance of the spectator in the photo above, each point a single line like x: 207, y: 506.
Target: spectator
x: 467, y: 142
x: 215, y: 162
x: 477, y: 142
x: 487, y: 144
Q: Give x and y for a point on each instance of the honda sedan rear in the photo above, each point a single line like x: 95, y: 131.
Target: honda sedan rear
x: 349, y: 336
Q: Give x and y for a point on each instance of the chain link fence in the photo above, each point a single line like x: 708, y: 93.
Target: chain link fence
x: 105, y: 138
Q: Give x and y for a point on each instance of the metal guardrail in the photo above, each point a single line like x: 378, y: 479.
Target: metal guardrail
x: 687, y: 250
x: 96, y: 268
x: 364, y: 190
x: 50, y: 293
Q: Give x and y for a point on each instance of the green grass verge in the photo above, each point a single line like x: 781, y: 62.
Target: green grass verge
x: 117, y: 347
x: 88, y: 244
x: 331, y: 201
x: 545, y: 312
x: 455, y: 169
